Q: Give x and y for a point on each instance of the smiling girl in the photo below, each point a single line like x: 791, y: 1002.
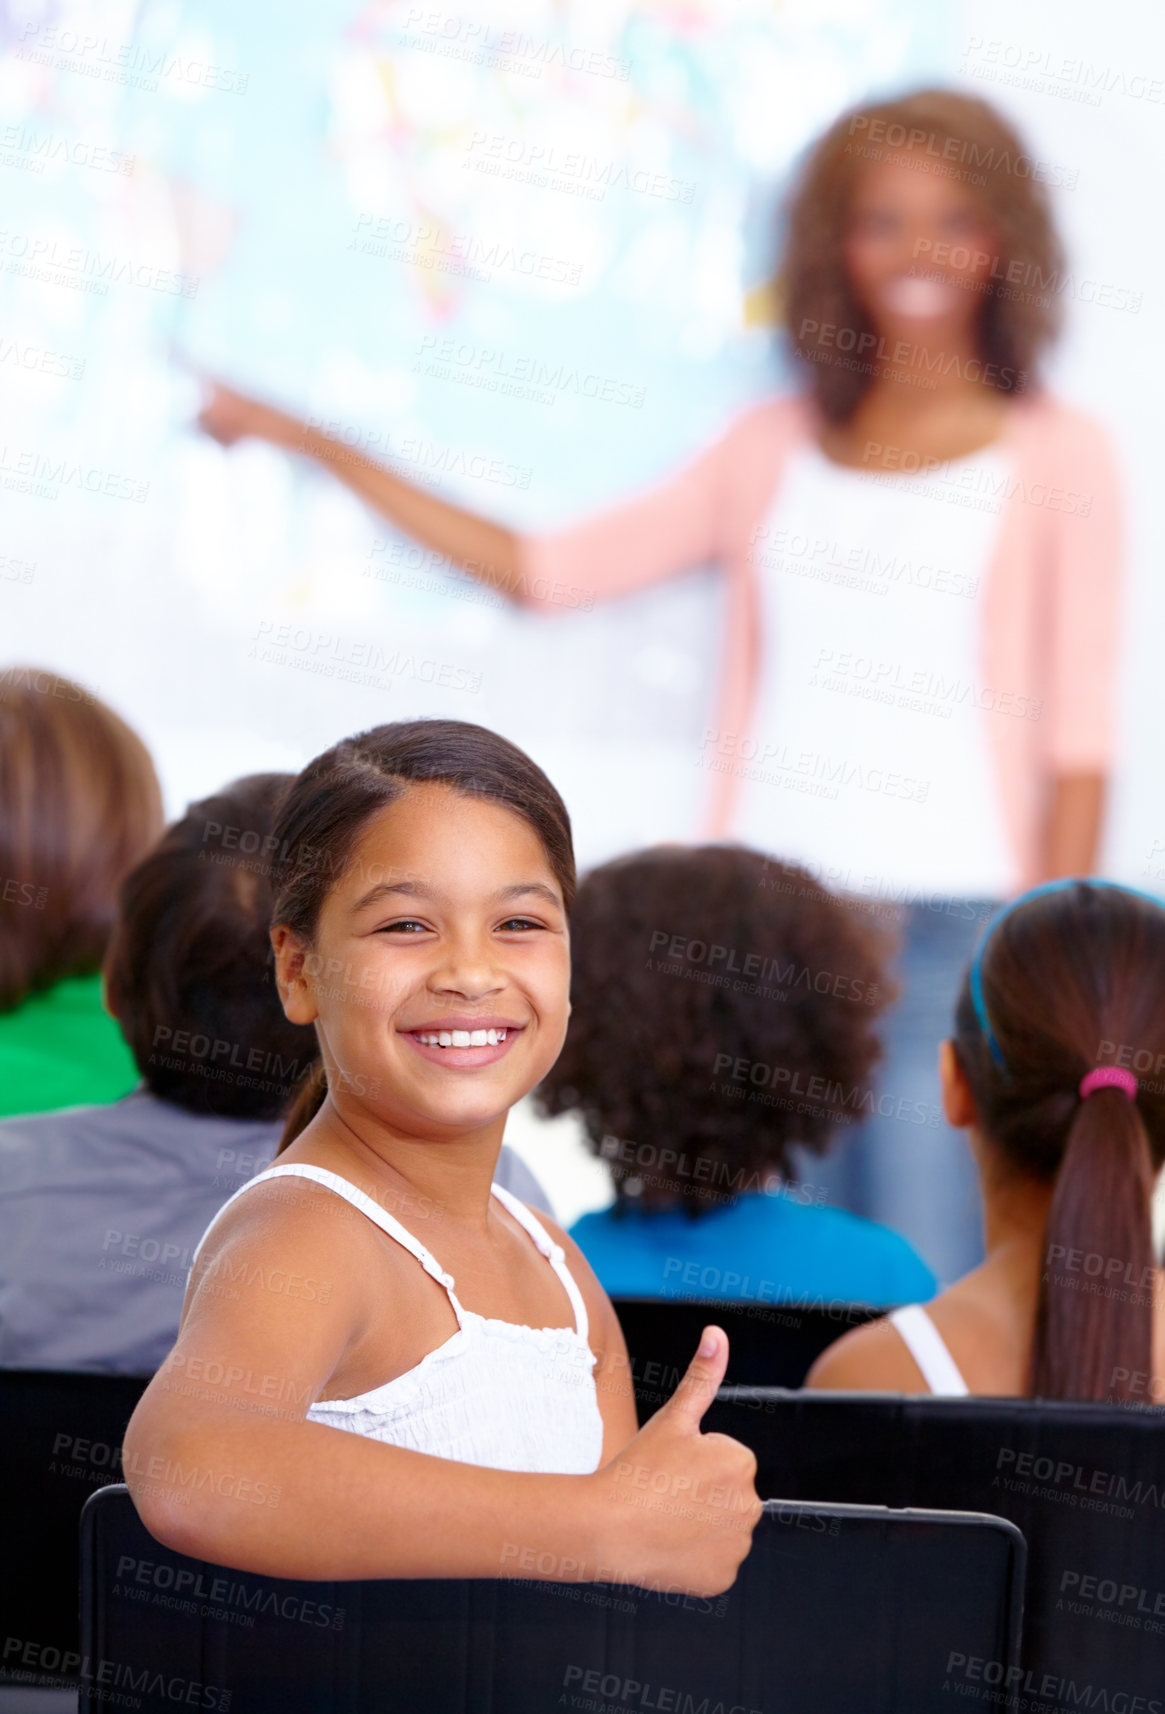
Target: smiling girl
x: 427, y: 1378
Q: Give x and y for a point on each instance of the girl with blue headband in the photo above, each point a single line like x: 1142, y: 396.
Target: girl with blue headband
x: 1057, y: 1072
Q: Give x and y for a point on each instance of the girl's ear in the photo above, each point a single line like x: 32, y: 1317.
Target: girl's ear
x: 292, y: 977
x: 958, y: 1105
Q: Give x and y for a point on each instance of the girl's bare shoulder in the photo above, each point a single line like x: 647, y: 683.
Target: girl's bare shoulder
x: 290, y: 1235
x: 872, y: 1358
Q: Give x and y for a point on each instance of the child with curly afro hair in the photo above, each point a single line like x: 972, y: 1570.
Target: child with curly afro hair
x: 724, y: 1009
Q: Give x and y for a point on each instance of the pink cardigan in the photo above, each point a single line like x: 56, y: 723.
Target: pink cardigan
x: 1050, y: 602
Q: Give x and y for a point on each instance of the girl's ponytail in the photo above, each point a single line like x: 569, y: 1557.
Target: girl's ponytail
x: 310, y: 1093
x: 1063, y: 993
x: 1094, y: 1324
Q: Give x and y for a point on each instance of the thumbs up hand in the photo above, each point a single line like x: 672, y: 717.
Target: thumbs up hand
x: 682, y: 1505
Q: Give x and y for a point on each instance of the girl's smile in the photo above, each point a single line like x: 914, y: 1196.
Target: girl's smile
x: 464, y: 1043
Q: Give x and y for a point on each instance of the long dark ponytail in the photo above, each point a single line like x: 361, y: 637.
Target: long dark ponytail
x: 1070, y: 979
x: 328, y: 804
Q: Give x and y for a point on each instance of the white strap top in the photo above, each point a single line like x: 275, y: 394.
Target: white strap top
x: 929, y: 1350
x: 495, y: 1393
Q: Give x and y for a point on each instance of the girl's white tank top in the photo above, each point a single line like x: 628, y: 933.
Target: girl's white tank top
x: 495, y: 1393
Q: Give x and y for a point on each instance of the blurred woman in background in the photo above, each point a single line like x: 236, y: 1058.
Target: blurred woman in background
x: 922, y: 557
x: 79, y: 806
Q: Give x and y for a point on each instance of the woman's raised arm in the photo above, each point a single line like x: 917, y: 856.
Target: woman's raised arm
x: 680, y: 523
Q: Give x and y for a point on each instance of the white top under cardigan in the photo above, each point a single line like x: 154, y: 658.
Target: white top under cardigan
x: 496, y: 1394
x: 869, y: 760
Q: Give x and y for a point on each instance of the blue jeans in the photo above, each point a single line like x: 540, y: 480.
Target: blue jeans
x: 904, y: 1166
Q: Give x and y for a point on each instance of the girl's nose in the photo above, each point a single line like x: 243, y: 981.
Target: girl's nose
x: 471, y: 974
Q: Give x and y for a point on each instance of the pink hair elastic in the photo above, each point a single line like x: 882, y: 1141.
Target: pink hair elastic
x: 1108, y: 1077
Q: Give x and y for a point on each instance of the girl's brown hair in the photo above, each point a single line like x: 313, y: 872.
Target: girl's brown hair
x: 967, y: 141
x: 689, y: 964
x: 189, y: 961
x: 329, y: 804
x: 79, y: 806
x: 1068, y: 980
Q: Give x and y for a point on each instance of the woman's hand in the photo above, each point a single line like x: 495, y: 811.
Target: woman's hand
x: 679, y: 1506
x: 488, y: 551
x: 229, y: 417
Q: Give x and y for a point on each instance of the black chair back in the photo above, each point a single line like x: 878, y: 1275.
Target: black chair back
x: 837, y: 1609
x: 769, y: 1344
x: 61, y: 1435
x: 1085, y: 1483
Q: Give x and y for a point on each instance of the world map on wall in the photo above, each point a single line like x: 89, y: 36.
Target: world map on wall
x: 524, y: 256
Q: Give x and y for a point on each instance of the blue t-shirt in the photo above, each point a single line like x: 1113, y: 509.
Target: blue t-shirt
x: 761, y: 1248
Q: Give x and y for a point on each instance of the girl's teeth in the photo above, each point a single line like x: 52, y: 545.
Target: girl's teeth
x: 464, y: 1038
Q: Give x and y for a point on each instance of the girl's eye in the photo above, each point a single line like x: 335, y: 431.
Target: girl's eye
x: 519, y: 922
x: 408, y: 925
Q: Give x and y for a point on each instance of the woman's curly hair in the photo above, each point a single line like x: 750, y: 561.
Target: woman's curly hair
x: 724, y: 1007
x: 964, y: 139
